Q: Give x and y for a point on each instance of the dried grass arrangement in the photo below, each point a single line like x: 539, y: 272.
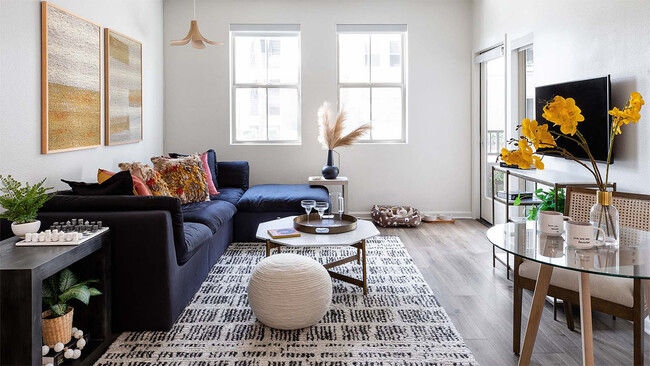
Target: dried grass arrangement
x: 331, y: 132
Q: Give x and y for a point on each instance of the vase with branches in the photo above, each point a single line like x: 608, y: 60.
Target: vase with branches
x: 331, y: 136
x: 567, y: 115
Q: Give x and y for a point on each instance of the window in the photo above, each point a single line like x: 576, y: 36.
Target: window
x: 527, y: 71
x: 371, y: 79
x: 265, y: 77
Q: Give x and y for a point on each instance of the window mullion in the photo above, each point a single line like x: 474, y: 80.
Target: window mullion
x: 266, y: 90
x: 370, y: 79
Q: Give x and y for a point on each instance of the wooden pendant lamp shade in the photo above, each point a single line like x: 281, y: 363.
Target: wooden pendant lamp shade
x: 194, y: 36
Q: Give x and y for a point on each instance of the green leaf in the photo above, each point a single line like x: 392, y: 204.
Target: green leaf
x: 46, y: 288
x: 67, y: 279
x: 94, y: 291
x: 80, y: 293
x: 59, y: 309
x: 517, y: 200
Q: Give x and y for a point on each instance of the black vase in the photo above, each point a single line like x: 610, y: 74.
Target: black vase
x: 330, y: 171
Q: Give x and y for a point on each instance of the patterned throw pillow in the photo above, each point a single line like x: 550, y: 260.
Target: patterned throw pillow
x: 149, y: 176
x: 184, y: 177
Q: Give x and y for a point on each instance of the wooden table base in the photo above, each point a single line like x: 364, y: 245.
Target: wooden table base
x: 539, y: 298
x: 359, y: 257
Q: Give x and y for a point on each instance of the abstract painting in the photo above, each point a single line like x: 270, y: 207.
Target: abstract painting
x: 71, y: 81
x: 123, y: 95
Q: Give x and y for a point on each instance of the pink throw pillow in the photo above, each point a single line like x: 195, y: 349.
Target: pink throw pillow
x: 204, y: 162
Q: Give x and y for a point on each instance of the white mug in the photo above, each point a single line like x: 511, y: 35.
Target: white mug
x: 550, y: 222
x: 581, y: 235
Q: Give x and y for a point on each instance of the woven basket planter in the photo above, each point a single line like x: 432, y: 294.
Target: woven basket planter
x: 57, y: 330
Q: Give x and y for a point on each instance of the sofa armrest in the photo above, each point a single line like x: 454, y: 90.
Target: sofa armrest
x: 74, y: 203
x: 233, y: 174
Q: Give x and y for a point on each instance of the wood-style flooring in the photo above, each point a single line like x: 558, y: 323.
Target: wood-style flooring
x: 456, y: 261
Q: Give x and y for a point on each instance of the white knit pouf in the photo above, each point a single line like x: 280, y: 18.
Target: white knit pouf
x: 289, y: 291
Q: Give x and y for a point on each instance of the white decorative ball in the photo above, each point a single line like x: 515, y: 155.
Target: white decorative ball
x: 76, y: 354
x: 289, y: 291
x: 45, y: 351
x: 81, y: 343
x: 78, y: 334
x: 74, y: 330
x: 58, y: 347
x: 68, y: 353
x: 49, y: 364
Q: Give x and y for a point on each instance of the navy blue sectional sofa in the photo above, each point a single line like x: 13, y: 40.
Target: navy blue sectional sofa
x: 162, y: 251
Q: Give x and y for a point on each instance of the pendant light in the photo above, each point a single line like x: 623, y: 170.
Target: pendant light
x: 194, y: 35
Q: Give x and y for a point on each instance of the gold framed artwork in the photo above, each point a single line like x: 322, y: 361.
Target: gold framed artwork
x: 70, y: 81
x: 123, y: 88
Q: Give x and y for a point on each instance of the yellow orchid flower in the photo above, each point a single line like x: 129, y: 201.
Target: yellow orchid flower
x: 564, y: 113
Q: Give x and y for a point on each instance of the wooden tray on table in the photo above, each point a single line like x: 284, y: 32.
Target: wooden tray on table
x: 336, y: 225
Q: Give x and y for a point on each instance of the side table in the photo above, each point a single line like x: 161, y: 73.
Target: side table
x: 338, y: 181
x: 22, y: 271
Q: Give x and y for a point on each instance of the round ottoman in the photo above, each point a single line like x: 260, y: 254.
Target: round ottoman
x: 289, y: 291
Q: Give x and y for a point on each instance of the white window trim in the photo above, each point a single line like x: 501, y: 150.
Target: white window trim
x: 376, y: 29
x: 264, y: 30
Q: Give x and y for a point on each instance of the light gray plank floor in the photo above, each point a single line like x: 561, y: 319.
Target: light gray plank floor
x: 456, y: 261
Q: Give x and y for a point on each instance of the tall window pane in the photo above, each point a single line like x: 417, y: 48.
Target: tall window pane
x: 265, y: 85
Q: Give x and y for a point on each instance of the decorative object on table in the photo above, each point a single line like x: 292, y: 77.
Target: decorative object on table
x: 566, y: 114
x: 70, y: 81
x: 194, y: 35
x: 284, y: 233
x: 21, y: 204
x: 308, y: 205
x: 548, y: 202
x: 58, y: 354
x: 289, y: 291
x: 337, y: 205
x: 438, y: 219
x: 393, y: 216
x: 58, y: 290
x: 63, y: 234
x: 321, y: 207
x: 123, y: 88
x: 184, y: 177
x: 551, y: 222
x: 513, y: 195
x: 314, y: 224
x: 580, y: 235
x: 331, y: 136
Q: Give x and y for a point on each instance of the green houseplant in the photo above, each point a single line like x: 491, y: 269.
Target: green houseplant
x: 548, y: 202
x: 58, y: 291
x: 21, y: 204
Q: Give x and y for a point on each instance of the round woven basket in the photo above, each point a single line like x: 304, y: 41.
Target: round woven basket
x: 57, y: 330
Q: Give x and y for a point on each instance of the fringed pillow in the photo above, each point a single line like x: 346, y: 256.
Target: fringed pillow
x: 148, y: 176
x: 185, y: 177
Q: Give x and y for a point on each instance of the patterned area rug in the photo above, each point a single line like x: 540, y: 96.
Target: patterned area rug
x: 399, y: 322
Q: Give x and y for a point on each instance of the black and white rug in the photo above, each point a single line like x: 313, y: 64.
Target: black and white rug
x: 399, y: 322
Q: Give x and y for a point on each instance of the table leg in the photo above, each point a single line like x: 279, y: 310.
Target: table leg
x: 268, y: 247
x: 585, y: 320
x: 365, y: 268
x: 539, y: 297
x: 358, y: 256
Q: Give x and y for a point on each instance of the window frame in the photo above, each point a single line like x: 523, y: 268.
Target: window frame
x: 369, y: 30
x: 264, y: 30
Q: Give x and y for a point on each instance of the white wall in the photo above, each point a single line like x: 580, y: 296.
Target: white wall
x: 581, y: 39
x: 20, y: 88
x: 431, y: 172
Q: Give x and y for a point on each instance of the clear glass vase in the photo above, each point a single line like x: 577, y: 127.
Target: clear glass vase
x: 605, y: 216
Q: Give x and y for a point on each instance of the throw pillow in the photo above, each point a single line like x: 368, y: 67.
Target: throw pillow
x: 149, y: 176
x: 208, y: 174
x: 139, y: 188
x: 212, y: 164
x: 184, y: 177
x: 119, y: 184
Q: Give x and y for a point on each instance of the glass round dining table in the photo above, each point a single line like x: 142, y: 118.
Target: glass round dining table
x: 630, y: 258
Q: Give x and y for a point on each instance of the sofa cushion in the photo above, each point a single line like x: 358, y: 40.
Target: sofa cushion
x: 212, y: 164
x: 280, y: 197
x: 614, y: 289
x: 213, y: 214
x: 195, y: 235
x: 231, y: 195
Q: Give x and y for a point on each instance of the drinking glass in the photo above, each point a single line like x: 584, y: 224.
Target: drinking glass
x: 308, y: 205
x: 341, y: 207
x: 334, y: 203
x: 321, y: 207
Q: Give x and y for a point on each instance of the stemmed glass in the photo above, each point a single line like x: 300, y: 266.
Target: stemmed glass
x: 308, y: 205
x: 321, y: 207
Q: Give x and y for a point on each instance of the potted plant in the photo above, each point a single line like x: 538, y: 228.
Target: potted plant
x: 21, y: 204
x: 58, y: 290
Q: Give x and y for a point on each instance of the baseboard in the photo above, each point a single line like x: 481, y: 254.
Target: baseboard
x: 454, y: 214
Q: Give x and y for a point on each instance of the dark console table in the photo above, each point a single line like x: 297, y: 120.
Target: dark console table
x: 22, y: 270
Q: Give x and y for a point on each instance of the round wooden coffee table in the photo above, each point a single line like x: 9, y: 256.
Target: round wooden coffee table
x: 355, y: 238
